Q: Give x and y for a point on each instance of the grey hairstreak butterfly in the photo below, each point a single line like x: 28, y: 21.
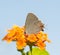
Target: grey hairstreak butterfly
x: 32, y: 24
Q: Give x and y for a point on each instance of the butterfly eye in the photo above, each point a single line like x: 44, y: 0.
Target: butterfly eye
x: 42, y: 29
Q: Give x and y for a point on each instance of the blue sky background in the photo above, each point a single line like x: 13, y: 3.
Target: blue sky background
x: 15, y: 12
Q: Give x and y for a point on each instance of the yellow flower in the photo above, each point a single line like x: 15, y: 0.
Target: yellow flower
x: 32, y: 38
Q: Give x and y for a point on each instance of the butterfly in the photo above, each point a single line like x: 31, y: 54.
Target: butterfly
x: 33, y: 25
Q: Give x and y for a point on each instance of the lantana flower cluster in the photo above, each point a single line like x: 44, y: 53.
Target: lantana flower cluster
x: 22, y: 39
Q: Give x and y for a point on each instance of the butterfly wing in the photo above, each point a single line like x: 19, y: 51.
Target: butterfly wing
x: 32, y: 24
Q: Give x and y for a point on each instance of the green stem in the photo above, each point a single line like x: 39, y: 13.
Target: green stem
x: 30, y: 49
x: 22, y: 52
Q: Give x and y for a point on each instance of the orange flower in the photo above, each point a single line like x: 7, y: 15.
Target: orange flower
x: 32, y: 38
x: 21, y: 43
x: 17, y: 34
x: 40, y: 44
x: 10, y: 35
x: 42, y: 36
x: 13, y: 34
x: 39, y: 35
x: 46, y: 38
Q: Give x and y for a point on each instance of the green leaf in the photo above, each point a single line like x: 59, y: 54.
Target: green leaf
x: 37, y: 51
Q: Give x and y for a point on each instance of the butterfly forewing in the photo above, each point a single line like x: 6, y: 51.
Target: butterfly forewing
x: 32, y: 24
